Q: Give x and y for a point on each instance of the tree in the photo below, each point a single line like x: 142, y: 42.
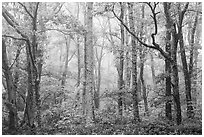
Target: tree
x: 193, y: 53
x: 121, y: 63
x: 127, y: 55
x: 99, y: 57
x: 11, y: 104
x: 187, y: 78
x: 156, y: 46
x: 88, y: 62
x: 142, y: 53
x: 78, y: 53
x: 168, y: 109
x: 34, y: 61
x: 134, y: 65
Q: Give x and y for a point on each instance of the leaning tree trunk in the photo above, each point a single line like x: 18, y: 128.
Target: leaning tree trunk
x: 134, y: 66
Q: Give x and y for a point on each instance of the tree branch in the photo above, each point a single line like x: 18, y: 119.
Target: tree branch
x: 8, y: 36
x: 185, y: 8
x: 36, y: 10
x: 17, y: 55
x: 26, y: 9
x: 156, y: 46
x: 71, y: 56
x: 45, y: 98
x: 7, y: 16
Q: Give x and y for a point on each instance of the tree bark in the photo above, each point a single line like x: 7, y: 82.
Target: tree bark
x: 64, y: 74
x: 144, y: 93
x: 16, y: 75
x: 127, y: 57
x: 175, y: 79
x: 37, y: 64
x: 29, y: 107
x: 11, y: 104
x: 78, y: 63
x: 89, y: 66
x: 121, y: 63
x: 187, y: 79
x: 168, y: 94
x: 134, y: 66
x: 97, y: 92
x: 193, y: 58
x: 78, y: 54
x: 142, y: 51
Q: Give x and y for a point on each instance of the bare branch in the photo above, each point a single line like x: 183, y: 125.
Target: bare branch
x: 7, y: 16
x: 17, y: 55
x: 71, y: 56
x: 58, y: 10
x: 26, y: 9
x: 156, y: 46
x: 45, y: 98
x: 185, y: 8
x: 36, y: 10
x: 200, y: 12
x: 138, y: 39
x: 8, y: 36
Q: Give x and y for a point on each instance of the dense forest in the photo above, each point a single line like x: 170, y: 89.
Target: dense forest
x: 101, y: 68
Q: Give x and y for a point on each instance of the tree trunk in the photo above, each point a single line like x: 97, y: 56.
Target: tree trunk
x: 134, y: 66
x: 127, y: 58
x: 29, y: 107
x: 89, y: 66
x: 64, y: 74
x: 142, y: 51
x: 16, y: 75
x: 168, y: 109
x: 193, y: 58
x: 97, y: 92
x: 175, y: 78
x: 153, y: 72
x: 78, y: 54
x: 11, y: 104
x: 144, y: 94
x: 187, y: 79
x: 37, y: 69
x: 39, y: 53
x: 121, y: 64
x: 78, y: 63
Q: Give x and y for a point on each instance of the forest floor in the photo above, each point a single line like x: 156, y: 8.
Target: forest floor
x: 157, y: 127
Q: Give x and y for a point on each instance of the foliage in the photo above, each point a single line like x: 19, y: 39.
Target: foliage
x: 59, y: 114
